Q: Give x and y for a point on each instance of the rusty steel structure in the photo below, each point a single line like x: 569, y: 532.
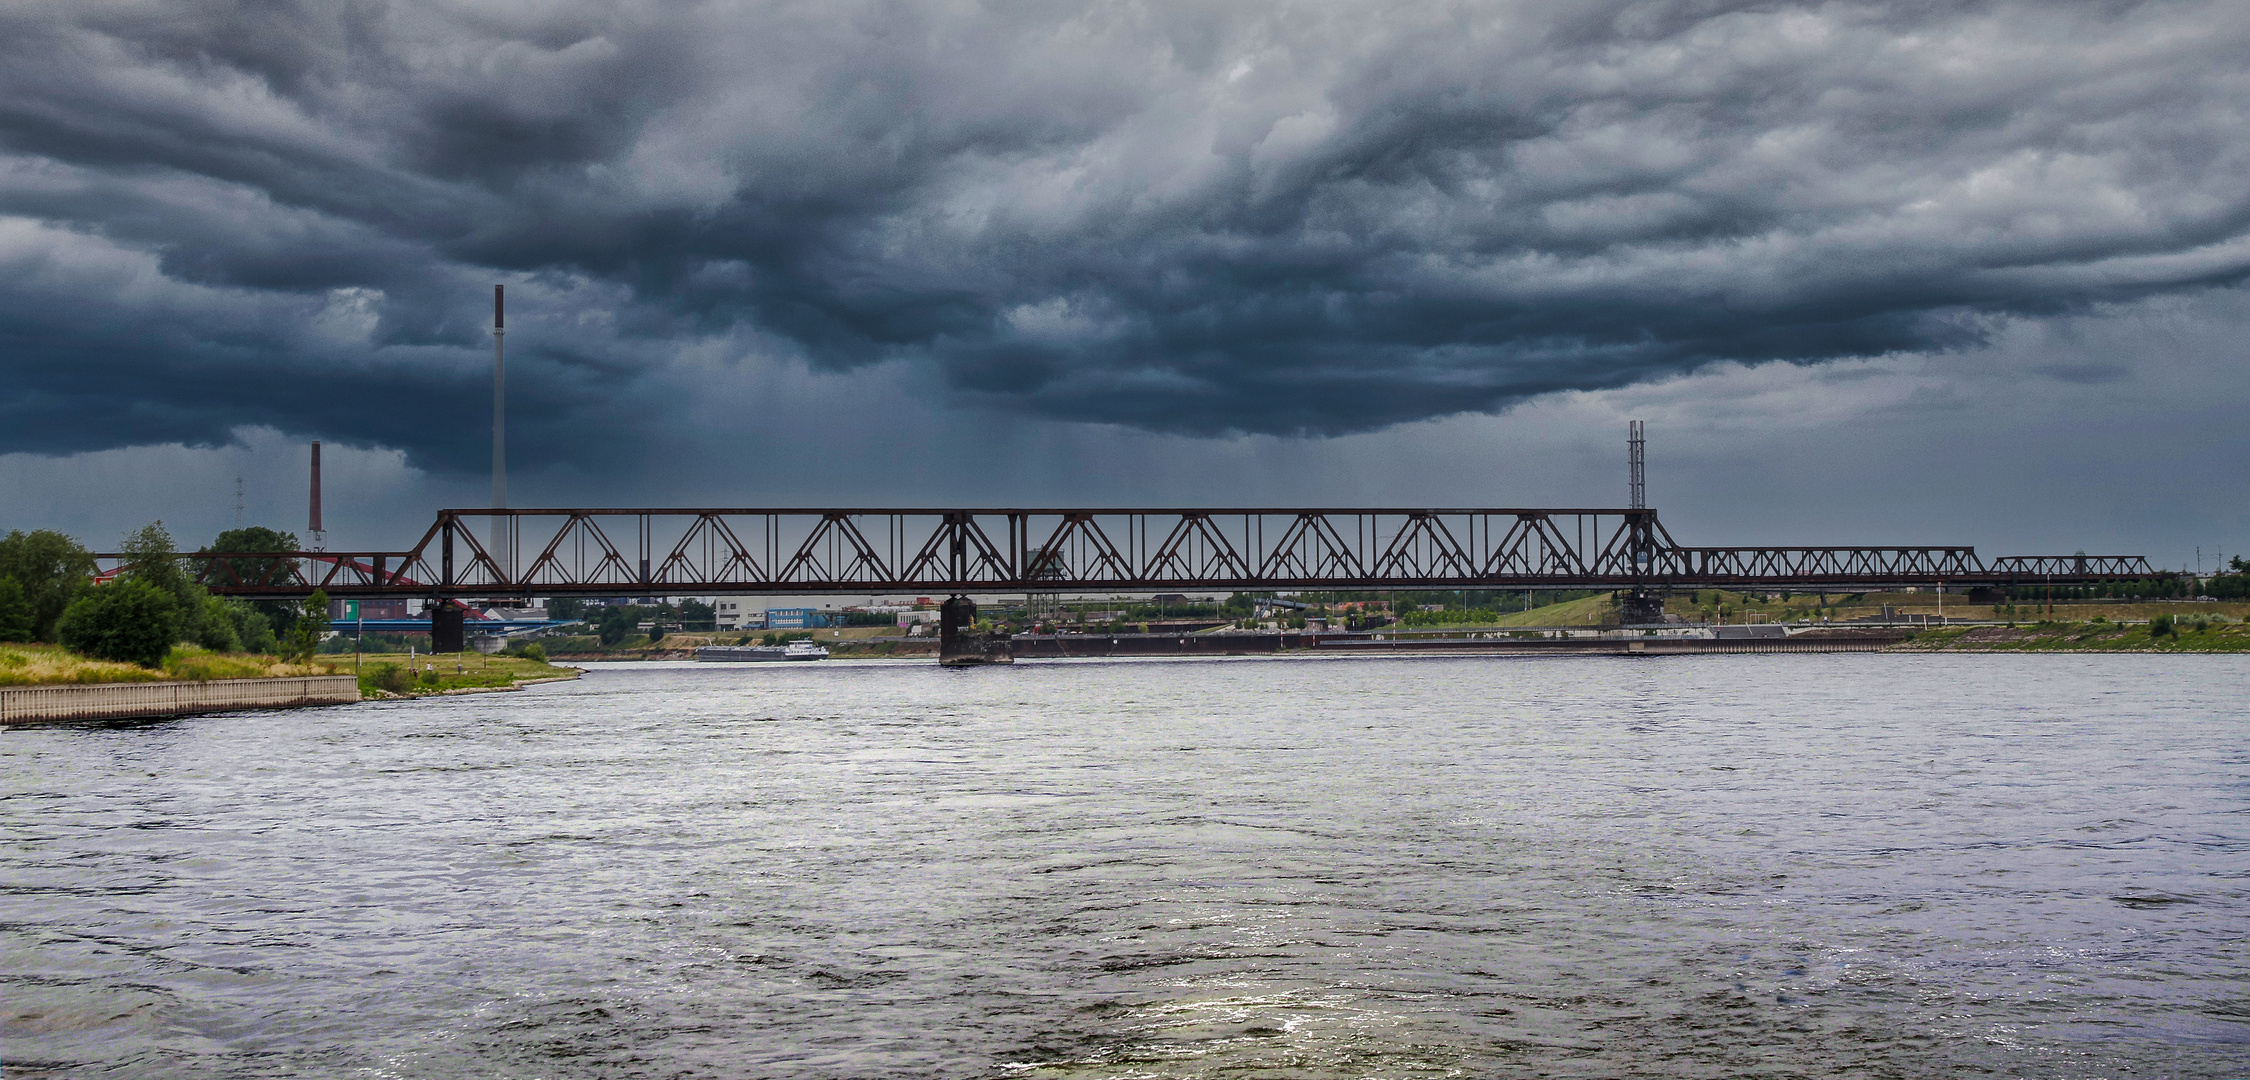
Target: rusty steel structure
x: 703, y: 552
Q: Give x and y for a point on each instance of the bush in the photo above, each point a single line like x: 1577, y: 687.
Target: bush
x: 130, y: 622
x: 251, y: 627
x: 530, y: 650
x: 215, y: 630
x: 17, y: 620
x: 388, y: 677
x: 2160, y: 626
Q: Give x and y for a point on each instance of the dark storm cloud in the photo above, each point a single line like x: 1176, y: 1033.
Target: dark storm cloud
x: 1278, y: 217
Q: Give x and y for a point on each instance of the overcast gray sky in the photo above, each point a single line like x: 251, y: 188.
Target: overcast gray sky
x: 1873, y: 272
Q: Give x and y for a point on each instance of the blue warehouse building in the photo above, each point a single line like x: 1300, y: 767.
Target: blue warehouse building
x: 794, y: 618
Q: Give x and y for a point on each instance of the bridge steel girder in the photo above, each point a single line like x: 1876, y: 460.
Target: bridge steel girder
x: 749, y: 551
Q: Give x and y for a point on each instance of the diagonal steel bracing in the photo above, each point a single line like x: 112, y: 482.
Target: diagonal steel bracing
x: 593, y: 552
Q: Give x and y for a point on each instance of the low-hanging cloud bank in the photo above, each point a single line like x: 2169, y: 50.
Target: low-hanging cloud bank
x: 1269, y: 217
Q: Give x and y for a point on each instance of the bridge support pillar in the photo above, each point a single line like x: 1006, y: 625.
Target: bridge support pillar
x: 445, y: 627
x: 1640, y: 607
x: 960, y: 645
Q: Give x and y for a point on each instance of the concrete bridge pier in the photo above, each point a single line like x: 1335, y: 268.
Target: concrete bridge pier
x: 445, y: 627
x: 959, y: 645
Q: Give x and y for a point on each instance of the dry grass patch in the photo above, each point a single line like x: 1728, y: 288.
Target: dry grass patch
x: 199, y: 665
x: 47, y: 665
x: 52, y: 665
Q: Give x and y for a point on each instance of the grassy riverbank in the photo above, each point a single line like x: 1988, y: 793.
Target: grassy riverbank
x: 380, y: 674
x: 2091, y: 636
x: 388, y: 675
x: 51, y: 665
x: 842, y: 643
x: 1585, y: 611
x: 1721, y: 606
x: 1712, y: 605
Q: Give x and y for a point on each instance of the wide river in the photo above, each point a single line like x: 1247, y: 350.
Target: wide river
x: 1835, y: 865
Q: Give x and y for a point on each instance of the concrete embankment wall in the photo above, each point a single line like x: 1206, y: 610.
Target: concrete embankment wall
x: 123, y: 701
x: 1068, y: 645
x: 1618, y: 646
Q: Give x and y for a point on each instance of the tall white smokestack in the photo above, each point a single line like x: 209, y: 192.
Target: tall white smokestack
x: 1636, y: 459
x: 501, y: 552
x: 499, y: 400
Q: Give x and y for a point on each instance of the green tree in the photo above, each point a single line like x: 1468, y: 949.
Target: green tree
x: 617, y: 624
x: 130, y: 621
x: 312, y: 620
x: 51, y: 568
x: 697, y: 615
x: 16, y: 622
x: 256, y: 538
x: 151, y: 557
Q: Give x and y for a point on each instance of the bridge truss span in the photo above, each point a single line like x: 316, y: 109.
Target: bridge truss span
x: 645, y: 552
x: 888, y: 550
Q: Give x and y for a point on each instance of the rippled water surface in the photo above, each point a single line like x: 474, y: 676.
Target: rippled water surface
x: 1865, y: 865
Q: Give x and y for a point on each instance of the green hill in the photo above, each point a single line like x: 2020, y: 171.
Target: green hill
x: 1591, y: 611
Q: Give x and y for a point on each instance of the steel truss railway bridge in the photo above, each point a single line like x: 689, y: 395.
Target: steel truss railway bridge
x: 499, y: 554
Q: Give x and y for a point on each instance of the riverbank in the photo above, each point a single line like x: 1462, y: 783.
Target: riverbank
x: 1717, y: 606
x: 857, y: 642
x: 2185, y: 636
x: 31, y: 664
x: 401, y: 675
x: 2188, y: 636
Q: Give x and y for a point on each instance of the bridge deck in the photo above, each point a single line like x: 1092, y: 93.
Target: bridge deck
x: 590, y: 552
